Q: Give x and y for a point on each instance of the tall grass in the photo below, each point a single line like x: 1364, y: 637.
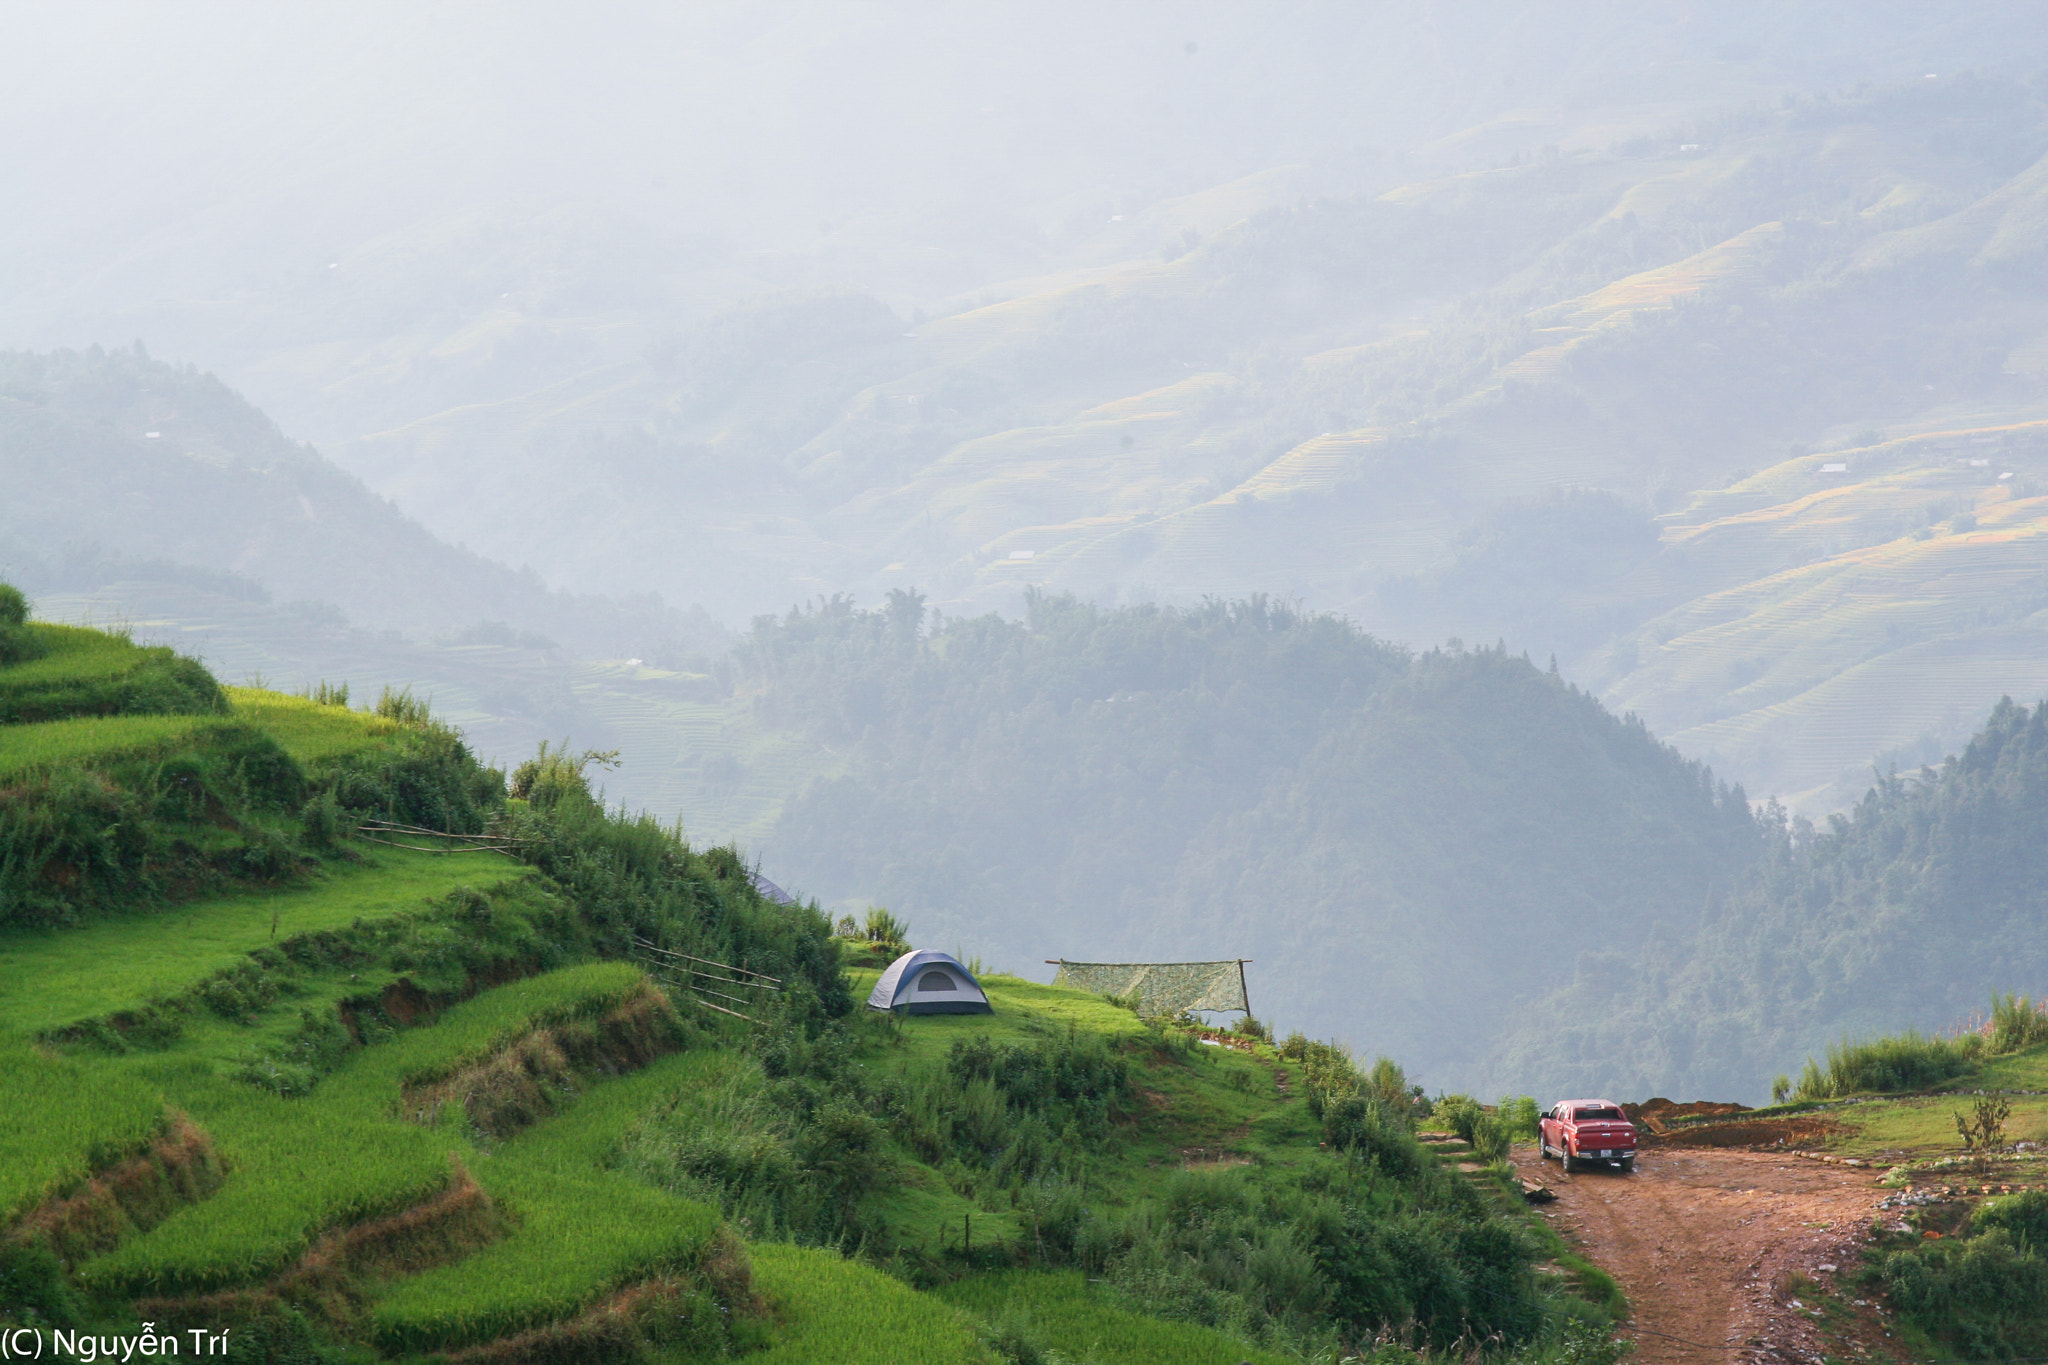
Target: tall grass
x: 400, y: 705
x: 1889, y: 1064
x: 1898, y: 1062
x: 2016, y: 1022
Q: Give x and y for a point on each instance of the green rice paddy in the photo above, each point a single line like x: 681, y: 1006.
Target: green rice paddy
x: 344, y: 1154
x: 583, y: 1229
x: 65, y: 1120
x: 50, y: 978
x: 24, y: 748
x: 1086, y: 1322
x: 307, y: 730
x: 830, y: 1308
x: 74, y: 654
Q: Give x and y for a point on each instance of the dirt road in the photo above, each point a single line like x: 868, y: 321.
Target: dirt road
x: 1708, y: 1244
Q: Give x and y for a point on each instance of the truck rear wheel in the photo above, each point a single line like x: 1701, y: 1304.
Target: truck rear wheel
x: 1628, y: 1163
x: 1564, y: 1156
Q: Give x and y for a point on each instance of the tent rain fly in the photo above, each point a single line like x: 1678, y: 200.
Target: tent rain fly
x: 1162, y: 988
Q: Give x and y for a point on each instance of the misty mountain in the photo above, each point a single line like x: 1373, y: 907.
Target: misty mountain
x: 119, y: 466
x: 1193, y: 358
x: 1557, y: 352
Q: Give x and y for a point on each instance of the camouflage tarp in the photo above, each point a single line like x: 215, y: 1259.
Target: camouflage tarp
x: 1162, y: 988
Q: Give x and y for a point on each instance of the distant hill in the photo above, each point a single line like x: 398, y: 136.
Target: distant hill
x: 1913, y: 910
x: 1412, y: 849
x: 122, y: 467
x: 1511, y: 387
x: 1455, y: 857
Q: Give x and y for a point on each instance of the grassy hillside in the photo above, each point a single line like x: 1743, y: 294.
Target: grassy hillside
x: 369, y: 1102
x: 1906, y: 605
x: 688, y: 751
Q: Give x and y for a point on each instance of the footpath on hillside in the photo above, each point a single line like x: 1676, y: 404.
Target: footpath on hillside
x: 1713, y: 1247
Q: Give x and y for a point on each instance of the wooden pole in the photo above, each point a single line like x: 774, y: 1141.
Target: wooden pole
x: 1243, y: 993
x: 709, y: 962
x: 419, y: 848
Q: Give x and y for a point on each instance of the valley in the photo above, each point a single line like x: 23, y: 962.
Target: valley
x: 544, y: 548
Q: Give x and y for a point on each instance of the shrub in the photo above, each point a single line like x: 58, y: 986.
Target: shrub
x: 1490, y: 1139
x: 1460, y: 1114
x: 70, y: 843
x: 1984, y: 1129
x: 1362, y: 1125
x: 1518, y: 1117
x: 423, y: 777
x: 17, y: 643
x: 1982, y: 1293
x: 2025, y: 1216
x: 553, y: 775
x: 33, y: 1285
x: 880, y: 927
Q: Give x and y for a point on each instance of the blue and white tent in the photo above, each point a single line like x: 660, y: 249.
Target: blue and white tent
x: 929, y: 982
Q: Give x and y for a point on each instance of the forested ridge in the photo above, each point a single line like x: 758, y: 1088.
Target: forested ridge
x: 1914, y: 909
x: 1453, y: 856
x: 1401, y: 842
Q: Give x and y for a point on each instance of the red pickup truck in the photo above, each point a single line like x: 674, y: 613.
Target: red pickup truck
x: 1581, y: 1132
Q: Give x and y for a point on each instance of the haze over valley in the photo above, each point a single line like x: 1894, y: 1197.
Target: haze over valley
x: 1485, y: 509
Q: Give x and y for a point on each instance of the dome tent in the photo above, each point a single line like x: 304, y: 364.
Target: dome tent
x: 929, y: 982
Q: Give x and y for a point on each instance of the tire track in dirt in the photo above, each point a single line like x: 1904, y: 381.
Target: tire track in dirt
x: 1706, y: 1244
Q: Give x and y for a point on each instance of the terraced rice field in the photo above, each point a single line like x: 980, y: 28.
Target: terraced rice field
x: 1913, y: 595
x: 52, y: 978
x: 833, y: 1309
x: 308, y: 731
x: 26, y: 747
x: 102, y: 1119
x: 347, y: 1153
x: 1064, y: 1306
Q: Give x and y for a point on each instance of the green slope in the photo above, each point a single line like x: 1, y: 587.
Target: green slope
x: 382, y: 1102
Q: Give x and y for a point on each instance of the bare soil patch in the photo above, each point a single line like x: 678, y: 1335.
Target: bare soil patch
x: 1801, y: 1130
x: 1713, y: 1246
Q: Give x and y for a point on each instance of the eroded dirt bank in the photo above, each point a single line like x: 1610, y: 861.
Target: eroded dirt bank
x: 1709, y: 1245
